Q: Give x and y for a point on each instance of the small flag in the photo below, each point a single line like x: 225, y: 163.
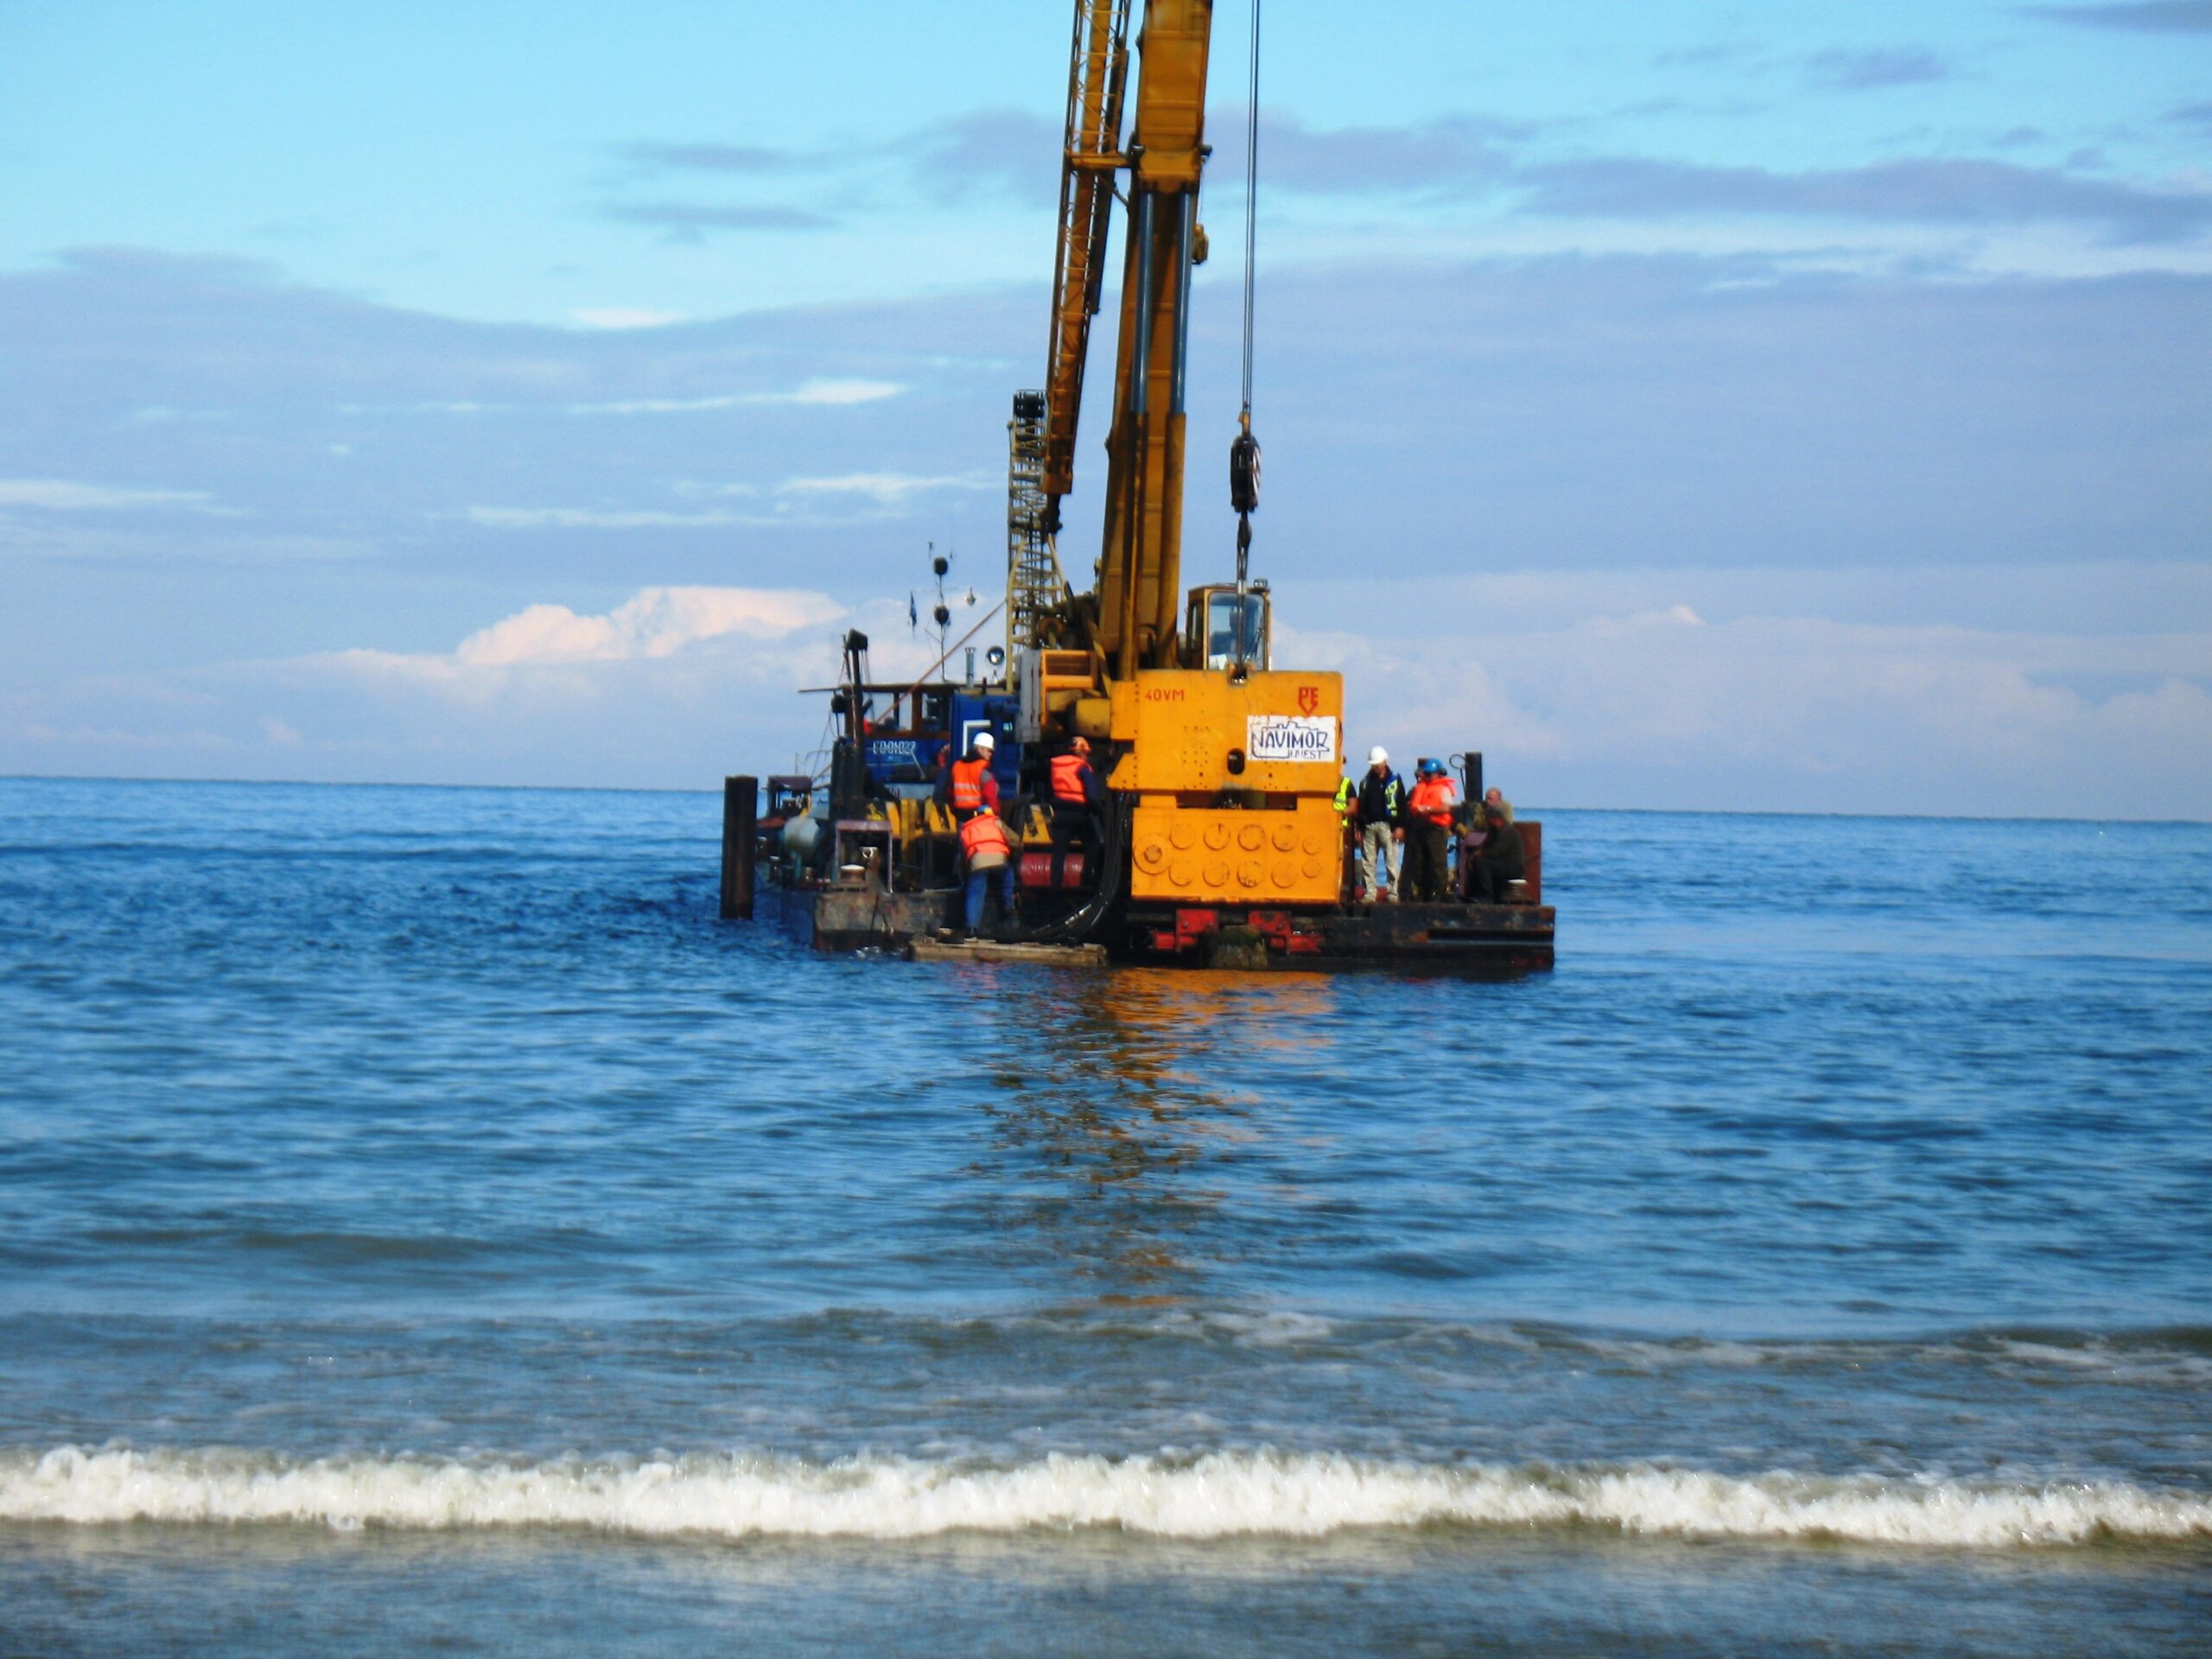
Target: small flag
x: 913, y: 611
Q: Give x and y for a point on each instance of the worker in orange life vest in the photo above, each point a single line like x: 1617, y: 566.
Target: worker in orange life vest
x: 969, y: 783
x: 987, y: 850
x: 1077, y: 799
x: 1428, y: 832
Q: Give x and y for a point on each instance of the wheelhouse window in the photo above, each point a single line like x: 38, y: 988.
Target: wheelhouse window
x: 1237, y: 628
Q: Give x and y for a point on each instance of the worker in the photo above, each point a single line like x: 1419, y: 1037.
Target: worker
x: 986, y: 850
x: 1428, y: 832
x: 969, y: 784
x: 1500, y: 857
x: 1477, y: 834
x: 1348, y: 835
x: 1380, y: 810
x: 1078, y: 800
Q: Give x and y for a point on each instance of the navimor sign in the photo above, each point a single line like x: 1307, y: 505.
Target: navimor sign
x: 1292, y: 737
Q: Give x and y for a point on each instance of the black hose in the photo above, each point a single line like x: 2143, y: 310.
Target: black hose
x: 1079, y: 922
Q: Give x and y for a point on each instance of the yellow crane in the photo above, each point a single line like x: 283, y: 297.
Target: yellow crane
x: 1224, y: 767
x: 1223, y: 841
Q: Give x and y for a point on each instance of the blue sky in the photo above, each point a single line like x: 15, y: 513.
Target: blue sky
x: 1784, y: 406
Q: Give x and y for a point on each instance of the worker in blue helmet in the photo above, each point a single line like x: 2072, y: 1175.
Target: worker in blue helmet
x: 1429, y: 810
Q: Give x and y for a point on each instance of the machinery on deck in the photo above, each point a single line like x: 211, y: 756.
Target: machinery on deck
x: 1222, y: 840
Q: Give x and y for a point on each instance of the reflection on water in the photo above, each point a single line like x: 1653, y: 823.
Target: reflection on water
x: 1127, y: 1087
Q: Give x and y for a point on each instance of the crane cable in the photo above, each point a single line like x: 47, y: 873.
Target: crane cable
x: 1244, y: 451
x: 1251, y: 203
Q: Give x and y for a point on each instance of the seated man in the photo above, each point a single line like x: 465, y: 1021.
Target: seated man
x: 1500, y: 858
x: 1475, y: 829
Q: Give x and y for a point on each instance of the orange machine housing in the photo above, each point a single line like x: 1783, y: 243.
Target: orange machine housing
x: 1235, y: 782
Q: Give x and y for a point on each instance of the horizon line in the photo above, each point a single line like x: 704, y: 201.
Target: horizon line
x: 647, y: 789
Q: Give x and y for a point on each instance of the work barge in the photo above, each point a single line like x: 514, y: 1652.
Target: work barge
x: 1217, y: 836
x: 861, y: 897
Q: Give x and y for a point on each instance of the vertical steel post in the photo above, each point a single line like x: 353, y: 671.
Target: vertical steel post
x: 740, y: 802
x: 1471, y: 773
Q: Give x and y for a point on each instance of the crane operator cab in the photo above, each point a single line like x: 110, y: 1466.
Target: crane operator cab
x: 1225, y: 629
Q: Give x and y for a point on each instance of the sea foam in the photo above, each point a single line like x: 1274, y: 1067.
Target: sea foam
x: 1221, y: 1495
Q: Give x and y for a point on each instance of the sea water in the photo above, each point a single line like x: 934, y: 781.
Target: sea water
x: 422, y: 1225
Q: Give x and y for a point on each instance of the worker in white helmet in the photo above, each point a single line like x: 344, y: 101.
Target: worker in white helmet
x: 1380, y: 814
x: 969, y: 783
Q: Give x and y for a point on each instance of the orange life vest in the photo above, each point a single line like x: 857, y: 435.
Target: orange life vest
x: 1432, y: 800
x: 968, y: 785
x: 983, y: 841
x: 1067, y: 779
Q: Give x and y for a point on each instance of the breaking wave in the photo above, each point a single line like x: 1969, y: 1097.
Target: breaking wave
x: 1218, y: 1496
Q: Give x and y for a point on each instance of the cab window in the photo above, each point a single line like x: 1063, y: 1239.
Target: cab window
x: 1224, y: 613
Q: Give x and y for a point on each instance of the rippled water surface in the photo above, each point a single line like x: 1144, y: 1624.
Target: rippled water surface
x: 422, y: 1224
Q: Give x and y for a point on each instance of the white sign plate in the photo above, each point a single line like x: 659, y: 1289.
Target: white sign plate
x: 1292, y: 737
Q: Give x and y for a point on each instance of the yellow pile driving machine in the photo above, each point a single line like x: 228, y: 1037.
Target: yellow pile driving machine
x: 1220, y: 840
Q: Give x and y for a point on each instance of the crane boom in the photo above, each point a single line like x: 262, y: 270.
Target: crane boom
x: 1098, y: 67
x: 1141, y: 561
x: 1129, y: 622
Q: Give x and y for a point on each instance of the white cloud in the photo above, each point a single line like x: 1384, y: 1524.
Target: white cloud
x: 652, y: 625
x: 798, y: 500
x: 635, y: 405
x: 622, y: 317
x: 597, y: 518
x: 654, y: 622
x: 835, y: 392
x: 1643, y: 688
x: 1663, y: 708
x: 887, y: 490
x: 61, y: 495
x: 819, y: 392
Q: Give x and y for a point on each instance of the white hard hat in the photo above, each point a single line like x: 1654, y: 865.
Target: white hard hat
x: 1378, y: 756
x: 985, y: 741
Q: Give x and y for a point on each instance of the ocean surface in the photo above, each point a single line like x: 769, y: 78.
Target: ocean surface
x: 423, y: 1227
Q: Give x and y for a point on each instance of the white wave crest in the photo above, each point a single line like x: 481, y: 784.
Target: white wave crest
x: 1221, y: 1495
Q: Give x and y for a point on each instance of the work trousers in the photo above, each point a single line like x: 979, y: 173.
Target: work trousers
x: 1426, y: 880
x: 1378, y: 861
x: 1075, y: 827
x: 979, y: 893
x: 1486, y: 878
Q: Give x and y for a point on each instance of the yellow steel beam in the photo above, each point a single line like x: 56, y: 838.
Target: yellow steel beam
x: 1097, y: 73
x: 1140, y: 566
